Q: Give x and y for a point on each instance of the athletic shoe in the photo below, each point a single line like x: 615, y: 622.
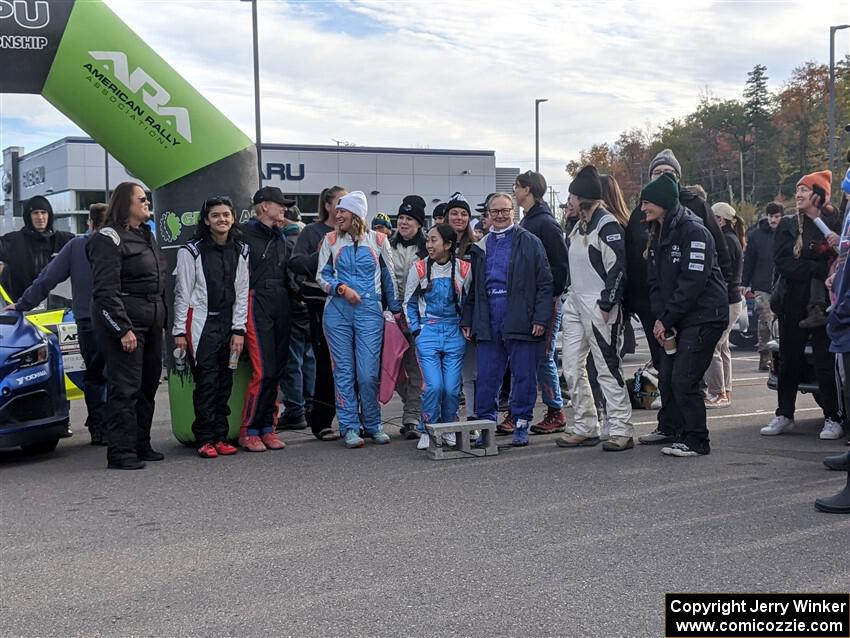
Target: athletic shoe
x: 576, y: 440
x: 714, y: 401
x: 424, y: 441
x: 831, y: 430
x: 225, y: 449
x: 507, y: 426
x: 409, y: 431
x: 252, y: 443
x: 380, y: 438
x: 680, y: 450
x: 618, y: 443
x: 293, y: 423
x: 553, y: 422
x: 778, y: 425
x: 450, y: 439
x: 271, y: 441
x: 207, y: 451
x: 520, y: 437
x: 353, y: 440
x: 656, y: 437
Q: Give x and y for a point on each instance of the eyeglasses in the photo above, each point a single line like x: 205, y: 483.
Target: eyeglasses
x: 501, y: 211
x: 658, y: 172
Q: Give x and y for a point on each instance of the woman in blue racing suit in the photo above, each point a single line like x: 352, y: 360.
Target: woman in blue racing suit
x: 355, y: 271
x: 432, y: 305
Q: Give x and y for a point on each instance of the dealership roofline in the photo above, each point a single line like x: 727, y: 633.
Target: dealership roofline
x: 303, y: 147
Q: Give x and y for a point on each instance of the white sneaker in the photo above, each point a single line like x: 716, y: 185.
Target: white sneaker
x: 831, y: 430
x: 778, y: 425
x: 450, y: 439
x: 656, y: 405
x: 424, y: 441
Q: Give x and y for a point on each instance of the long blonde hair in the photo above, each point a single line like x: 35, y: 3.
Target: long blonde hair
x: 358, y: 228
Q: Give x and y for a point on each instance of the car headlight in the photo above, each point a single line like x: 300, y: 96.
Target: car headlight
x: 31, y: 356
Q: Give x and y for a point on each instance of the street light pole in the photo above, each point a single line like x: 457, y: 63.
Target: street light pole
x: 832, y: 31
x: 257, y: 90
x: 537, y: 133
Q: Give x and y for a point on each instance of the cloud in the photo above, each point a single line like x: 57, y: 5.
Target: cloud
x: 465, y: 74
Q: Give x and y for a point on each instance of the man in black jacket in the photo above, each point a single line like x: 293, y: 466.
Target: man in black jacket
x: 529, y: 189
x: 758, y: 274
x: 689, y: 298
x: 27, y: 251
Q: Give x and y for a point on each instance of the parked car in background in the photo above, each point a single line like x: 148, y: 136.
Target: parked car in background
x: 744, y: 333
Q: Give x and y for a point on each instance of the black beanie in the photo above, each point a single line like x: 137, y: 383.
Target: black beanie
x: 663, y: 191
x: 439, y: 210
x: 457, y: 200
x: 587, y: 183
x: 413, y: 206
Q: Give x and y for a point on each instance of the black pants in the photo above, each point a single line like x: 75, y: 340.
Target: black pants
x: 94, y: 380
x: 792, y: 364
x: 682, y: 412
x: 213, y: 381
x: 647, y: 320
x: 133, y: 380
x: 267, y: 343
x: 322, y: 414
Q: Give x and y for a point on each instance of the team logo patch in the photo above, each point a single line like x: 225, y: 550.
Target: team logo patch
x: 613, y: 237
x: 698, y: 256
x: 698, y: 244
x: 697, y: 267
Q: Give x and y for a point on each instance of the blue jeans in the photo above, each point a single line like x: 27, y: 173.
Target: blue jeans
x: 299, y: 382
x: 547, y: 371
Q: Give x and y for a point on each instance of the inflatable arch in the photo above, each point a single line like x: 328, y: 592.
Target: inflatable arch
x: 92, y: 67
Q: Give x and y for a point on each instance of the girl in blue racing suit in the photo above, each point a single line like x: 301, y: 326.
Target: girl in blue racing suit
x: 355, y: 271
x: 432, y: 303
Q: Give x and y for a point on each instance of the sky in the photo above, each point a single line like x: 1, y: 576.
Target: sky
x: 463, y: 74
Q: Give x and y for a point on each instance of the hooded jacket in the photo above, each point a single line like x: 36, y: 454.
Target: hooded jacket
x: 736, y: 257
x: 26, y: 252
x: 758, y: 258
x: 540, y: 222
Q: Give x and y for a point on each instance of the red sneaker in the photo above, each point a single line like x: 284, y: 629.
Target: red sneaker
x: 554, y: 421
x: 507, y: 426
x: 271, y: 441
x: 224, y: 448
x: 252, y: 443
x: 207, y: 451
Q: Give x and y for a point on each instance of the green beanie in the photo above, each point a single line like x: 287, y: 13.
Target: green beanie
x: 663, y: 191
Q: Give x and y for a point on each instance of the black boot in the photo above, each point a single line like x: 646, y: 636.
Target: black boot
x: 838, y: 504
x: 839, y: 462
x: 126, y: 463
x: 98, y: 439
x: 147, y: 453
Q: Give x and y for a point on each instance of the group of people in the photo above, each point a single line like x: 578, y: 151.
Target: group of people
x: 479, y: 301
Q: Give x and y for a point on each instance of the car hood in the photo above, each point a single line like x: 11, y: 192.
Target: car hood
x: 16, y: 333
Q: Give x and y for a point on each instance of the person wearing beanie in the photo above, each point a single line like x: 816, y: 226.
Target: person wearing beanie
x: 355, y: 270
x: 593, y: 319
x: 637, y: 236
x: 757, y: 275
x: 269, y: 326
x: 529, y: 190
x: 210, y: 317
x: 804, y: 250
x: 438, y: 215
x: 718, y: 378
x: 688, y: 297
x: 506, y: 312
x: 26, y: 252
x: 407, y: 246
x: 381, y: 224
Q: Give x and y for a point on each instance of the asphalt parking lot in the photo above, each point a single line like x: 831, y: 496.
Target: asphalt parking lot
x: 318, y: 540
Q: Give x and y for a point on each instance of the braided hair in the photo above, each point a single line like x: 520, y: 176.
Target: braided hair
x: 448, y: 235
x: 798, y: 243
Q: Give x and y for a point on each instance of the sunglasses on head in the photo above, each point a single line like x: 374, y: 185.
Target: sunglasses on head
x: 217, y: 200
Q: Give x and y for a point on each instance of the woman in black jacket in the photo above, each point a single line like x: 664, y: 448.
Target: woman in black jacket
x: 128, y: 307
x: 689, y: 298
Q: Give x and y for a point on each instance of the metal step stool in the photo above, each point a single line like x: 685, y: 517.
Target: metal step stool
x: 438, y: 450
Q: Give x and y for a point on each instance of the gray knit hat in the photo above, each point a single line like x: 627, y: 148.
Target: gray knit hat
x: 667, y: 158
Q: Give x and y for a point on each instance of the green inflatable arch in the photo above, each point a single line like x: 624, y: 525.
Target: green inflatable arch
x: 92, y: 67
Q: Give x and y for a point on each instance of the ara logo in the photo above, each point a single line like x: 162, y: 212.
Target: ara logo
x: 28, y: 14
x: 154, y: 95
x: 284, y: 172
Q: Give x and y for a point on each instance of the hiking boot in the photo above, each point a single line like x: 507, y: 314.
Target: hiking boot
x: 126, y: 463
x: 831, y: 431
x: 147, y: 453
x: 207, y: 451
x: 715, y: 401
x: 839, y: 462
x: 293, y: 423
x: 656, y: 437
x: 618, y: 443
x: 815, y: 319
x: 271, y: 441
x: 225, y: 449
x: 576, y: 440
x: 778, y: 425
x: 507, y: 426
x: 380, y: 437
x: 679, y: 449
x: 520, y: 437
x: 424, y: 441
x: 252, y: 443
x: 553, y: 422
x: 764, y: 361
x: 353, y: 440
x: 409, y: 431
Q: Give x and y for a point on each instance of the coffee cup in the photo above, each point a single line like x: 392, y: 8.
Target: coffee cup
x: 669, y: 342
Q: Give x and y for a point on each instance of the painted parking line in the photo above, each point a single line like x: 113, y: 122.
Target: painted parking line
x: 732, y: 416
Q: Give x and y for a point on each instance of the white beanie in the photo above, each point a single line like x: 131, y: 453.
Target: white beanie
x: 355, y: 203
x: 724, y: 210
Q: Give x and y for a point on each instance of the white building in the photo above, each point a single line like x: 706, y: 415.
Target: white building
x: 71, y: 174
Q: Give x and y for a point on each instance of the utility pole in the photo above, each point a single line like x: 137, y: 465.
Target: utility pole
x: 257, y: 91
x: 832, y: 31
x: 741, y: 156
x: 106, y: 176
x: 537, y: 103
x: 552, y: 193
